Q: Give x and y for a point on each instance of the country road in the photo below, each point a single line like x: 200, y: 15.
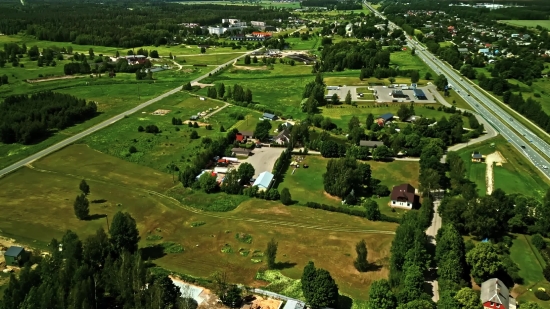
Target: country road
x: 103, y: 124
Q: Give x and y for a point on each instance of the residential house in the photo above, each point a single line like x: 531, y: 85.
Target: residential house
x: 136, y: 59
x: 245, y: 135
x: 381, y: 120
x: 494, y: 294
x: 283, y: 137
x: 463, y: 50
x: 477, y: 157
x: 370, y: 144
x: 258, y: 23
x: 241, y: 152
x: 268, y: 116
x: 15, y: 256
x: 264, y: 181
x: 403, y: 196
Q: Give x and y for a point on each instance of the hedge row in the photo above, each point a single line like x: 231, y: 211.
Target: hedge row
x: 348, y: 211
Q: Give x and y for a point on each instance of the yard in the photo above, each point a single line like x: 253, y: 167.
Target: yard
x: 517, y: 175
x: 303, y: 234
x: 306, y: 184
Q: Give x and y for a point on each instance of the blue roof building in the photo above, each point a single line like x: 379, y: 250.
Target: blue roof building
x: 386, y: 117
x: 419, y: 94
x: 269, y: 116
x: 264, y: 181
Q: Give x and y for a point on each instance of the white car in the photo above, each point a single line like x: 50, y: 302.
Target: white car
x: 545, y: 167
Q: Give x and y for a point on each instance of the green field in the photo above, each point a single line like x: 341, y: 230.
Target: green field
x: 405, y: 61
x: 517, y: 175
x: 159, y: 150
x: 299, y: 44
x: 209, y: 59
x: 528, y: 23
x: 306, y: 184
x: 303, y: 234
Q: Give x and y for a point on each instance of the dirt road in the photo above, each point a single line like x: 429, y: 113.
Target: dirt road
x: 492, y: 159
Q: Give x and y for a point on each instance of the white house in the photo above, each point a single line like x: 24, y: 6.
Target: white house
x: 403, y: 196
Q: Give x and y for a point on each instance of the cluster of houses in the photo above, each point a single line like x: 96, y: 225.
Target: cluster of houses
x: 231, y: 24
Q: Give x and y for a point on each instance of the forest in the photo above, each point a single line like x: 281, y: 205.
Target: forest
x: 29, y: 118
x: 333, y: 4
x: 121, y: 24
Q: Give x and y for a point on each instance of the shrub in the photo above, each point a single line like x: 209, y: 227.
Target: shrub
x: 538, y: 241
x: 132, y: 149
x: 194, y: 135
x: 286, y: 198
x: 153, y: 237
x: 542, y: 295
x: 198, y: 223
x: 152, y: 129
x: 243, y: 237
x: 537, y: 95
x: 546, y: 272
x: 172, y: 247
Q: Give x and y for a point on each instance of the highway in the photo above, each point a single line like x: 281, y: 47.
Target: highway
x: 485, y: 107
x: 105, y: 123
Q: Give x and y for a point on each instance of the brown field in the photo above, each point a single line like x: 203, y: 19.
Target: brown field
x: 37, y: 206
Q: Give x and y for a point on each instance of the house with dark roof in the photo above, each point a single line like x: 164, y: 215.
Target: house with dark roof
x: 477, y: 157
x: 370, y: 144
x: 282, y: 137
x: 241, y: 152
x: 243, y: 136
x: 268, y: 116
x: 381, y: 120
x: 15, y: 256
x: 403, y: 196
x: 495, y: 294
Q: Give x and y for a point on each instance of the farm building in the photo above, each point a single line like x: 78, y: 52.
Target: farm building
x: 403, y: 196
x: 495, y: 294
x: 264, y: 181
x: 283, y: 137
x: 384, y: 118
x: 241, y: 152
x: 268, y: 116
x: 419, y: 94
x: 371, y: 144
x: 194, y: 117
x: 15, y: 256
x: 242, y: 136
x: 477, y: 157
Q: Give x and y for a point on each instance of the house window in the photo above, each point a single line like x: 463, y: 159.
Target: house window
x: 408, y: 204
x: 393, y: 202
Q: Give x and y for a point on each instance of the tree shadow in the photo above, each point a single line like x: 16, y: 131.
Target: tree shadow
x: 95, y: 217
x: 344, y: 302
x: 152, y: 252
x: 284, y: 265
x: 189, y: 303
x: 99, y: 201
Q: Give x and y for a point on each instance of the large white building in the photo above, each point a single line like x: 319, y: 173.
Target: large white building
x: 258, y: 23
x: 234, y: 24
x: 217, y: 30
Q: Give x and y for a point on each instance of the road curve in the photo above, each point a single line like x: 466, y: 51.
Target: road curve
x: 104, y: 124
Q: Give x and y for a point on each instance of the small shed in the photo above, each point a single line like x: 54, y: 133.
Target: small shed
x: 269, y: 116
x: 15, y: 256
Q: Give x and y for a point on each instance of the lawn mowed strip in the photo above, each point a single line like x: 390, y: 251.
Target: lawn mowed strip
x: 38, y: 205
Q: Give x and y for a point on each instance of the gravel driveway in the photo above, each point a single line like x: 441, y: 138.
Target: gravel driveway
x: 264, y: 158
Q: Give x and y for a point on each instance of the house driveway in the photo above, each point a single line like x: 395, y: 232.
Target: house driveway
x: 264, y: 158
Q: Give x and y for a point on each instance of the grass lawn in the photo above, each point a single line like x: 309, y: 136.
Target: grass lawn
x: 159, y: 150
x: 455, y: 99
x: 517, y: 175
x: 249, y: 122
x: 303, y: 234
x: 299, y: 44
x: 209, y: 59
x: 113, y: 96
x: 342, y: 114
x: 528, y: 23
x: 306, y: 185
x: 406, y: 61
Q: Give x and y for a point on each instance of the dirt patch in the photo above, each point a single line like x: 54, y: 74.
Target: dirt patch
x: 161, y: 112
x: 335, y: 198
x: 40, y: 80
x: 202, y: 85
x: 259, y: 302
x: 201, y: 124
x: 273, y: 211
x: 244, y: 67
x: 497, y: 159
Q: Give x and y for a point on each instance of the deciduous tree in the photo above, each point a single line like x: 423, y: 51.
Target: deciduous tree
x: 372, y: 210
x: 271, y: 253
x: 81, y: 207
x: 361, y: 263
x: 468, y: 299
x: 381, y: 295
x: 124, y: 233
x: 263, y: 128
x: 484, y: 261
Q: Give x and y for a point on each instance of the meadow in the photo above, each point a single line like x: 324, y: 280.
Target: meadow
x: 306, y: 184
x: 208, y: 59
x: 303, y: 234
x: 527, y: 23
x: 113, y: 97
x: 298, y: 44
x: 517, y: 175
x: 530, y: 264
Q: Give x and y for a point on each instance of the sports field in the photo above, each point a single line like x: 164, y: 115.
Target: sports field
x: 37, y: 206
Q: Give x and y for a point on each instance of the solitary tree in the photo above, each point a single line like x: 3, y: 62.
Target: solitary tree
x: 428, y: 76
x: 319, y: 288
x: 392, y: 80
x: 484, y: 260
x: 246, y: 172
x: 271, y: 253
x: 187, y: 86
x: 81, y: 207
x: 286, y: 198
x: 372, y: 211
x: 348, y: 98
x: 247, y: 59
x: 203, y: 50
x: 84, y: 187
x: 124, y: 233
x: 361, y: 263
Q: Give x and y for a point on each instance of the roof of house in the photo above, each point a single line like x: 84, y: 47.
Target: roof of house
x: 247, y: 133
x: 284, y: 134
x: 240, y: 150
x: 411, y: 118
x: 494, y: 290
x: 386, y: 116
x: 239, y: 137
x: 14, y: 251
x: 268, y: 115
x: 477, y: 155
x: 371, y: 143
x: 293, y: 304
x: 463, y: 50
x: 403, y: 191
x: 264, y: 180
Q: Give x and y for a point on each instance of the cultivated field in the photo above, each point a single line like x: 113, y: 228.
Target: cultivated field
x: 327, y: 238
x: 528, y: 23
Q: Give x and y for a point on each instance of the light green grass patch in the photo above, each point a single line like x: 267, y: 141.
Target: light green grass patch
x: 528, y: 23
x: 281, y: 284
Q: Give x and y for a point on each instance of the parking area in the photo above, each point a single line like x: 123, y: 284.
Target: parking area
x: 384, y: 94
x: 343, y: 91
x: 264, y: 158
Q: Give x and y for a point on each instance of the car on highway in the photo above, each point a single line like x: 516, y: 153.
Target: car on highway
x: 545, y: 167
x: 522, y: 146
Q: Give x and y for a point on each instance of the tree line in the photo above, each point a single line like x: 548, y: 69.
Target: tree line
x: 113, y: 24
x: 30, y: 118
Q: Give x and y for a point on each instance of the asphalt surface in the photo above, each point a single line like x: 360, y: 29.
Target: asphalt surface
x: 486, y: 108
x: 103, y: 124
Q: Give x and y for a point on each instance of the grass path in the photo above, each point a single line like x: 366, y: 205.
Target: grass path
x: 175, y: 202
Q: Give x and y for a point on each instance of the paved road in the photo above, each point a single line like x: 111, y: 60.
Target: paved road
x: 101, y: 125
x: 486, y: 108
